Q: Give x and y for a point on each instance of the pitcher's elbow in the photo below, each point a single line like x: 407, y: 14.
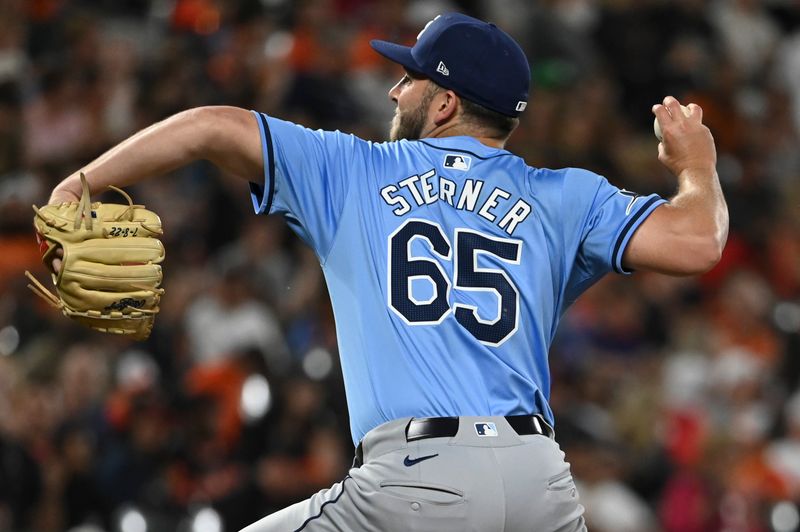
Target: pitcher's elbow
x: 706, y: 257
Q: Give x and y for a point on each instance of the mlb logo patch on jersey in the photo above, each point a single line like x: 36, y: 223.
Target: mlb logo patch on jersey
x: 457, y: 162
x: 486, y: 429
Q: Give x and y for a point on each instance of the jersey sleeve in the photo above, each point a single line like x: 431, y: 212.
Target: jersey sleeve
x: 610, y: 217
x: 307, y: 176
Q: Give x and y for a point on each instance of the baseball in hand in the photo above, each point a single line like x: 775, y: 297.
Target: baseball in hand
x: 657, y: 128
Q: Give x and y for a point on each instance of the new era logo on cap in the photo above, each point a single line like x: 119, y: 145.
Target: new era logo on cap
x: 442, y: 69
x: 486, y: 429
x: 521, y: 106
x: 457, y: 162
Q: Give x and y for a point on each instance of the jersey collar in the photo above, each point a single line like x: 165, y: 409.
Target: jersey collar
x: 465, y: 144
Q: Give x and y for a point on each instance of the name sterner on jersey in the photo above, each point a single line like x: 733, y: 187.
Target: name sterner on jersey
x: 427, y: 188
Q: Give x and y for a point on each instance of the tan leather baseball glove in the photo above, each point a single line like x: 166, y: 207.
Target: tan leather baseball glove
x: 110, y: 274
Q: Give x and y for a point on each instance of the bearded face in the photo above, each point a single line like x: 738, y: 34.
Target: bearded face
x: 409, y: 123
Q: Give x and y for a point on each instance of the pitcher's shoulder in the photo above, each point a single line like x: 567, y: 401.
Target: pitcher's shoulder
x: 563, y: 174
x: 560, y: 182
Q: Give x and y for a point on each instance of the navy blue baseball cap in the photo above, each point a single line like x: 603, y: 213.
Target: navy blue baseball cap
x: 475, y: 59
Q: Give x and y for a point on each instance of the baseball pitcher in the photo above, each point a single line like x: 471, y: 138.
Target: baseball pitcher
x: 449, y: 262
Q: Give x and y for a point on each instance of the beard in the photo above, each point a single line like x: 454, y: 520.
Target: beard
x: 410, y: 124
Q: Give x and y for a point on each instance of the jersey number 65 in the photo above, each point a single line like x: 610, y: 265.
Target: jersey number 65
x: 403, y: 269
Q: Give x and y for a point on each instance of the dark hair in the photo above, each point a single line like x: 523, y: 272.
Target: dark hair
x: 499, y: 124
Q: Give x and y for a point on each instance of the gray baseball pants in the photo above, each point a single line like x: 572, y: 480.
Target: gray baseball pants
x: 497, y: 481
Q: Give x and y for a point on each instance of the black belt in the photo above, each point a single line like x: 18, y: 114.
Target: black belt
x: 447, y: 427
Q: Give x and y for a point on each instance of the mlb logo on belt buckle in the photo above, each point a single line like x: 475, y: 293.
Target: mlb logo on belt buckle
x: 457, y: 162
x: 486, y: 429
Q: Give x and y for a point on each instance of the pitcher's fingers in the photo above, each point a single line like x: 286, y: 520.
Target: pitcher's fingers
x: 56, y: 265
x: 662, y: 151
x: 673, y: 106
x: 662, y: 115
x: 696, y: 111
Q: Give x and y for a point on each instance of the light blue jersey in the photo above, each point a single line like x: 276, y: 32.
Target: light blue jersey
x: 449, y: 263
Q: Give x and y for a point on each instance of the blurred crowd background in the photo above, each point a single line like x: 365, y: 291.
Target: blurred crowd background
x: 677, y: 400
